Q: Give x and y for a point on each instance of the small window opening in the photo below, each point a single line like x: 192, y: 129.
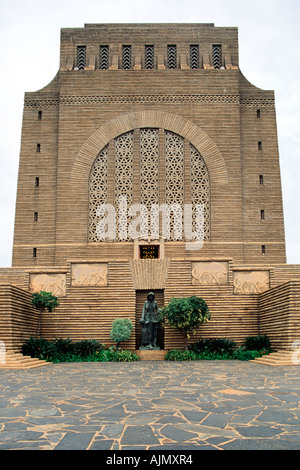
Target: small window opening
x: 37, y: 182
x: 40, y: 114
x: 81, y: 57
x: 126, y: 57
x: 194, y: 56
x: 104, y: 57
x: 263, y: 249
x: 171, y: 57
x: 35, y: 216
x: 38, y: 148
x: 259, y: 145
x: 262, y: 214
x: 217, y: 56
x: 149, y: 57
x: 261, y: 179
x: 258, y: 113
x: 34, y: 252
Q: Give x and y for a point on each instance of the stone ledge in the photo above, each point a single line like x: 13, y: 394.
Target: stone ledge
x: 149, y: 355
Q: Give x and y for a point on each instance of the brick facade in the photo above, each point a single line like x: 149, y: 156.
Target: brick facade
x: 182, y: 84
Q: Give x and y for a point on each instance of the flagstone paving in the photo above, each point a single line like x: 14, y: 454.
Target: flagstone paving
x: 151, y: 405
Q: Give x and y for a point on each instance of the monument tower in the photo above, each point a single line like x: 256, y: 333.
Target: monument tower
x: 149, y: 163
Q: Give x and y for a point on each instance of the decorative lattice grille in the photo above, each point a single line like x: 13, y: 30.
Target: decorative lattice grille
x: 149, y: 171
x: 126, y: 57
x: 194, y: 56
x: 217, y: 56
x: 174, y: 182
x: 81, y: 57
x: 97, y: 192
x: 148, y: 185
x: 149, y: 57
x: 200, y: 191
x: 123, y: 182
x: 171, y: 57
x: 104, y: 57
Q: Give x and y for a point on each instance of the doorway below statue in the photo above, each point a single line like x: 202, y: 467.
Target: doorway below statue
x: 141, y: 297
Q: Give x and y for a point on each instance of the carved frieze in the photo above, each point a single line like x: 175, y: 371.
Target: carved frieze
x: 89, y: 274
x: 210, y: 273
x: 251, y: 282
x: 54, y: 283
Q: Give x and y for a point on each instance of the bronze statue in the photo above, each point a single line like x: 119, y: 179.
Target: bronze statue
x: 149, y: 322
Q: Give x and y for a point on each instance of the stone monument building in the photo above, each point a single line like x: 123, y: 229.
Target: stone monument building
x: 149, y: 163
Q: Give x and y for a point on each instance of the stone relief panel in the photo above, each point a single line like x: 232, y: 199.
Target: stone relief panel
x: 210, y: 273
x: 89, y: 274
x: 54, y: 283
x: 251, y: 282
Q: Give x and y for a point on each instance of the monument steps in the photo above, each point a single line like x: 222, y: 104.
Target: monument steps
x: 18, y: 361
x: 279, y: 358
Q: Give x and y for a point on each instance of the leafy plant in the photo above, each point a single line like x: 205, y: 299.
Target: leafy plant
x: 185, y: 314
x: 220, y: 345
x: 86, y: 347
x: 40, y: 348
x: 43, y: 301
x: 257, y: 343
x: 121, y: 330
x: 179, y: 355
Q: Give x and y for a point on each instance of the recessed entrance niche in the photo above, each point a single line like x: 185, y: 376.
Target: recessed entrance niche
x: 149, y: 251
x: 141, y: 297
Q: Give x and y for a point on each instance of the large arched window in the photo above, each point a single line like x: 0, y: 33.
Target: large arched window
x: 153, y: 173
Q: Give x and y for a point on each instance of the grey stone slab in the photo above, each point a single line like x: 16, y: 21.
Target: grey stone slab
x: 177, y: 434
x: 138, y: 435
x: 102, y: 444
x: 258, y: 431
x: 75, y: 441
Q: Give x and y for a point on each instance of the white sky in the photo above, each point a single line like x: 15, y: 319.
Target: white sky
x: 269, y: 37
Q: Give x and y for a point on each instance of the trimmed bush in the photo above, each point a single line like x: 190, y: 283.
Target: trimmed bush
x: 257, y: 343
x: 121, y: 330
x: 218, y: 345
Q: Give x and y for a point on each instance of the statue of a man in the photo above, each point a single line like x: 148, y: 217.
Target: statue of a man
x: 149, y: 323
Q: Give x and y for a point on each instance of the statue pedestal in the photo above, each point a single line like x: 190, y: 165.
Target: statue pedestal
x: 151, y: 355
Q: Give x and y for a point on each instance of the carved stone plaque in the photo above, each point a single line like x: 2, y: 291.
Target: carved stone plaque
x: 251, y: 282
x: 210, y: 273
x: 54, y: 283
x: 89, y: 274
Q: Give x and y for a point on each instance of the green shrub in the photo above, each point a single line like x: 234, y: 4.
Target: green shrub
x: 257, y: 343
x: 86, y: 347
x: 186, y: 315
x: 179, y: 355
x: 39, y: 348
x: 124, y: 356
x: 217, y: 345
x: 121, y: 330
x: 64, y: 350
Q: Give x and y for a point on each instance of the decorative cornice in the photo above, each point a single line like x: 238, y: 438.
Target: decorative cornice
x: 143, y: 99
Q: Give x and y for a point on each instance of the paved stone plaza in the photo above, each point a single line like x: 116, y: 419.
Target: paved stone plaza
x: 151, y: 405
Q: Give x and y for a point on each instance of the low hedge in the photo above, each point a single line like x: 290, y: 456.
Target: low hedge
x: 65, y: 350
x: 239, y: 354
x: 222, y: 349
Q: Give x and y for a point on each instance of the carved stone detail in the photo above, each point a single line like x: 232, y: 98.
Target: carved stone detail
x: 210, y: 273
x: 251, y: 282
x: 54, y: 283
x: 89, y: 274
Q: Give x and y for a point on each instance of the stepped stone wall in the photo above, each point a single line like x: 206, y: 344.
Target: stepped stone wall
x: 87, y: 311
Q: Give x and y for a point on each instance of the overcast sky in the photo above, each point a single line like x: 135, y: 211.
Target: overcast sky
x: 269, y: 37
